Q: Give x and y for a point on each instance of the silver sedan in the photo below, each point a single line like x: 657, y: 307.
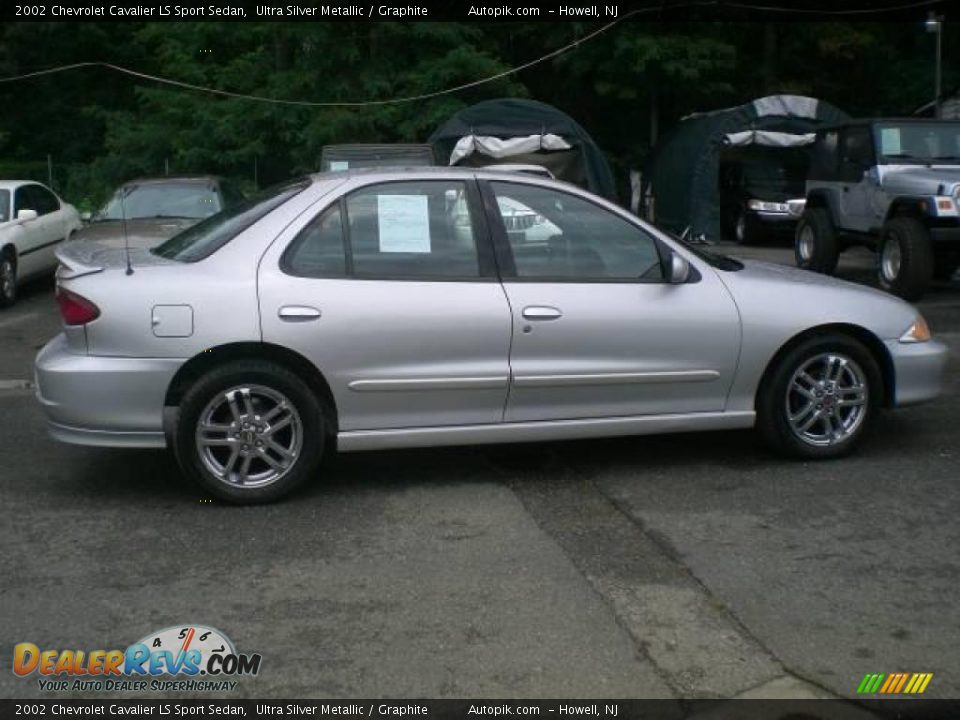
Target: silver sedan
x: 368, y: 310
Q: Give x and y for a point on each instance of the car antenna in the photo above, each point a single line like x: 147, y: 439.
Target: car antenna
x: 126, y: 237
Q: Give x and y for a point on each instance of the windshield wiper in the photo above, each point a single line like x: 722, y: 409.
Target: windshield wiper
x: 901, y: 156
x: 946, y: 157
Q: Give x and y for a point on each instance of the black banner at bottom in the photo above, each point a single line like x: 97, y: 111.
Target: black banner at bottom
x: 907, y: 709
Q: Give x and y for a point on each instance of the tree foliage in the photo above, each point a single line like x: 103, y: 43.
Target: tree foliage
x: 625, y: 86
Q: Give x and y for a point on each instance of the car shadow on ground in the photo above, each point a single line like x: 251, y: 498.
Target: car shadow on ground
x: 133, y: 477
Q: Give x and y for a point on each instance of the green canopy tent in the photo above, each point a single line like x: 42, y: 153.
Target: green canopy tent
x: 681, y: 173
x: 515, y: 131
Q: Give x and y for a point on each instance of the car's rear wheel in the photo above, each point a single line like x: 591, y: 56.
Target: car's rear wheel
x: 8, y: 281
x: 817, y: 401
x: 816, y: 246
x: 250, y: 432
x: 905, y: 260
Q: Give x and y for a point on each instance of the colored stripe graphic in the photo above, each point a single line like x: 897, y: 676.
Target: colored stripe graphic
x: 870, y: 683
x: 894, y: 683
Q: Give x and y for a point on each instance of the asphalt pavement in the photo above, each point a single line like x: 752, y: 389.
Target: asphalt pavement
x: 674, y: 566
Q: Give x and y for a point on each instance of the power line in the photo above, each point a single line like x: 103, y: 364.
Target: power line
x: 306, y: 103
x: 426, y: 96
x: 812, y: 11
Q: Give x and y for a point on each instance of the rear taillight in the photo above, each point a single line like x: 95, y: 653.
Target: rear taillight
x: 75, y: 309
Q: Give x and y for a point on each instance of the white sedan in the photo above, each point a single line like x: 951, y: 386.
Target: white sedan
x: 33, y: 221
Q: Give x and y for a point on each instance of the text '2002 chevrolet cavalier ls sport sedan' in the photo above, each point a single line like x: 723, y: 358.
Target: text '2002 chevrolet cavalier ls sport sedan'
x: 386, y: 309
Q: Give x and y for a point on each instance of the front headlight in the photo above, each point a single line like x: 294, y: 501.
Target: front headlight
x: 918, y: 332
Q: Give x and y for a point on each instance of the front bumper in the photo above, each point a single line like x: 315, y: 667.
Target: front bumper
x: 104, y: 401
x: 772, y: 216
x: 918, y: 370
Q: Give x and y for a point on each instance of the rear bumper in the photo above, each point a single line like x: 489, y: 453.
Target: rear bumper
x: 918, y: 370
x: 104, y: 401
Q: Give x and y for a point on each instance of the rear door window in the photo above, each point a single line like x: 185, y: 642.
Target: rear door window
x: 412, y: 230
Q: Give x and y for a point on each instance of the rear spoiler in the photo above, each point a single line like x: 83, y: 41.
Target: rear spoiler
x: 76, y: 260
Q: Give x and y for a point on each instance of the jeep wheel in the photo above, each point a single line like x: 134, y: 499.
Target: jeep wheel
x: 905, y: 260
x: 816, y: 246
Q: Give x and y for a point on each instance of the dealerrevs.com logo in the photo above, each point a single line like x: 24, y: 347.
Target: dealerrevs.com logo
x: 178, y: 658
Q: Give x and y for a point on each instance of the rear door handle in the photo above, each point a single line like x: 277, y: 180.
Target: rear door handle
x: 541, y: 312
x: 298, y: 313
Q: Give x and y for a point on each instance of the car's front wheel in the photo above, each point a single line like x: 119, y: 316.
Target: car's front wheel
x: 250, y: 432
x: 816, y: 246
x: 817, y: 401
x: 8, y: 281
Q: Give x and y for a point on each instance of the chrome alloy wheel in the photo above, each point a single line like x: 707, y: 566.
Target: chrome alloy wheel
x: 827, y: 399
x: 806, y: 243
x: 249, y: 436
x: 890, y: 258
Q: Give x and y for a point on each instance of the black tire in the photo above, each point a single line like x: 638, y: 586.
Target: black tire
x: 8, y: 280
x: 910, y: 276
x: 816, y: 246
x: 263, y: 378
x: 774, y: 405
x: 744, y: 228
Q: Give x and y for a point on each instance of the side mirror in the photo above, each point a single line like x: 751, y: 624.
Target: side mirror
x: 26, y: 214
x: 679, y: 269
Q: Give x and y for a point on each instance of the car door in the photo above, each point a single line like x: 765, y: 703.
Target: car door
x: 54, y: 226
x: 391, y: 291
x: 598, y: 331
x: 856, y: 158
x: 33, y: 233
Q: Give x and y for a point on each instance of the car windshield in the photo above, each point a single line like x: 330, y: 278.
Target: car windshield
x: 775, y: 176
x: 4, y: 206
x: 928, y: 142
x: 193, y: 201
x: 201, y: 240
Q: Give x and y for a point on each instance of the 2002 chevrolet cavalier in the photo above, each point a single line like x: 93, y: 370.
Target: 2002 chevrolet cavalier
x: 383, y: 309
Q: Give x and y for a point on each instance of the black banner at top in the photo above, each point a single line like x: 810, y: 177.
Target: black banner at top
x: 458, y: 10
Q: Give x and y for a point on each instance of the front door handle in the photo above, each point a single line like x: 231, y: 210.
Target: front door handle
x: 541, y: 312
x: 298, y: 313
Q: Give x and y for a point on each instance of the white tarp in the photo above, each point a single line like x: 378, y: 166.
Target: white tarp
x: 795, y: 105
x: 505, y: 147
x: 768, y: 138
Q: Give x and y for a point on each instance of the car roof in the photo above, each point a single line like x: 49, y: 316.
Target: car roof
x: 174, y: 179
x: 14, y: 184
x: 429, y: 171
